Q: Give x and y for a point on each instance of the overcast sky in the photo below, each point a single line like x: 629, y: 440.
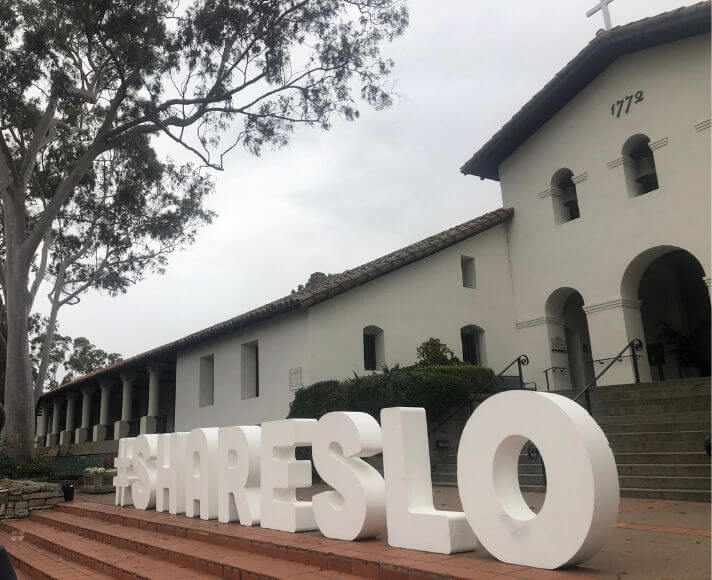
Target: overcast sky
x: 333, y: 200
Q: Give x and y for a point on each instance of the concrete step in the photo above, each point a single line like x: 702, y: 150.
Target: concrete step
x: 99, y: 556
x: 634, y: 446
x: 668, y: 494
x: 661, y: 470
x: 648, y: 417
x: 666, y: 458
x: 657, y: 482
x: 603, y: 395
x: 657, y: 436
x: 652, y: 406
x: 32, y: 561
x: 657, y: 427
x: 654, y: 385
x: 446, y: 479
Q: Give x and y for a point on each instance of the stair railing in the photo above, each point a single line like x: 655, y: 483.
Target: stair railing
x: 521, y: 361
x: 635, y: 346
x: 553, y: 370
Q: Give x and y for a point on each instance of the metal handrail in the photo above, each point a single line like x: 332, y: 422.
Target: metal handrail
x: 635, y: 345
x: 555, y: 369
x: 521, y: 361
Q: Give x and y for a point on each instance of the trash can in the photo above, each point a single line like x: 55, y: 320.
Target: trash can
x: 68, y: 490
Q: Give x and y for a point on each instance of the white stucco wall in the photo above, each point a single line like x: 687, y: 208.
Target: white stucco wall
x: 592, y: 253
x: 422, y: 300
x: 519, y: 264
x: 282, y: 346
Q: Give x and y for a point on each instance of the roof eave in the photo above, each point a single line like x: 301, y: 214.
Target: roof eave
x: 591, y: 61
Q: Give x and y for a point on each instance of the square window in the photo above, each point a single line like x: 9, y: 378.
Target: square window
x: 207, y: 381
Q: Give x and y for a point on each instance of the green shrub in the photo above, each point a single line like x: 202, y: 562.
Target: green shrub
x: 7, y: 466
x: 436, y: 392
x: 435, y: 352
x: 316, y: 400
x: 36, y: 467
x: 478, y: 377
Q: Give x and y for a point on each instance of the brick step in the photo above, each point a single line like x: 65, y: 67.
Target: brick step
x: 32, y: 561
x: 661, y: 470
x: 667, y: 458
x: 657, y: 482
x: 640, y: 419
x: 216, y: 560
x: 668, y: 494
x: 601, y: 395
x: 337, y: 559
x: 657, y: 436
x: 651, y: 407
x: 658, y: 446
x: 104, y: 558
x: 657, y: 427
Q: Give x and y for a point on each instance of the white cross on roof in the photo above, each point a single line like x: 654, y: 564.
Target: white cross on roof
x: 603, y: 7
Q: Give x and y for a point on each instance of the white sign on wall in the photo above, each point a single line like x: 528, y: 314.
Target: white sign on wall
x: 296, y: 380
x: 250, y: 474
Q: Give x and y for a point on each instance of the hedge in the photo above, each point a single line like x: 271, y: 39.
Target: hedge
x: 318, y: 399
x: 436, y: 389
x: 478, y: 377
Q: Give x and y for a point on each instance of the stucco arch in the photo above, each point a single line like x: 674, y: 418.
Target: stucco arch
x: 634, y: 141
x: 556, y: 300
x: 570, y: 342
x: 630, y: 281
x: 479, y: 333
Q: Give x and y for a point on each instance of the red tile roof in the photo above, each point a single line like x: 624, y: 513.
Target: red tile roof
x: 578, y: 73
x: 306, y: 297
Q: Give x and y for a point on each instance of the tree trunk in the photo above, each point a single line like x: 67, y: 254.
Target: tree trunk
x: 17, y: 435
x: 49, y: 336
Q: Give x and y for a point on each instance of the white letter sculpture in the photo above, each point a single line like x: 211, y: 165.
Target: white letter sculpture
x: 357, y: 507
x: 125, y: 475
x: 201, y: 456
x: 239, y: 475
x: 413, y: 521
x: 170, y: 473
x: 281, y: 474
x: 143, y: 490
x: 582, y: 492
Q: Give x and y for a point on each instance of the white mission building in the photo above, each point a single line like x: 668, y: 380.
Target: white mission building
x: 604, y: 237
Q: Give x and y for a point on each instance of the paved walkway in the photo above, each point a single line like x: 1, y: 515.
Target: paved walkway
x: 653, y: 539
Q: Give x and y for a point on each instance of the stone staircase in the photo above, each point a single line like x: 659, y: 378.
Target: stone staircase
x: 656, y: 430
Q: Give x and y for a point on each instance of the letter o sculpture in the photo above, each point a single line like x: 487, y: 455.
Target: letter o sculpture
x: 582, y: 495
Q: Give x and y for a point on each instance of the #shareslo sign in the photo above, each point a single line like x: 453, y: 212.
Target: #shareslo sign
x: 250, y: 475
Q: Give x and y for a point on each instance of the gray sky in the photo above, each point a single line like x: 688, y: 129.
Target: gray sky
x: 333, y: 200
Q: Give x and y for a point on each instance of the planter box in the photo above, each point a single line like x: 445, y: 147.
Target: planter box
x: 98, y: 482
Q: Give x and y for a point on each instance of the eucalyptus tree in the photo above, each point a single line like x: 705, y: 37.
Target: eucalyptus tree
x: 117, y: 226
x: 89, y: 77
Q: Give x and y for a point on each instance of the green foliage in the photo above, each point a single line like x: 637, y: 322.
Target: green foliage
x: 318, y: 399
x: 34, y: 468
x: 411, y: 387
x: 434, y: 352
x: 478, y: 377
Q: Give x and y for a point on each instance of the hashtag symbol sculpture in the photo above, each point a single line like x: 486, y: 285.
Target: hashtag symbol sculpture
x: 125, y: 475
